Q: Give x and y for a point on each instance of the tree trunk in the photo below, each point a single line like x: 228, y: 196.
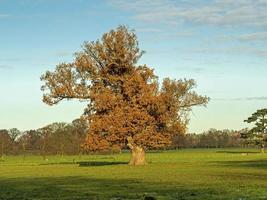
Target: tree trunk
x: 62, y: 150
x: 262, y: 148
x: 43, y: 151
x: 24, y: 150
x: 138, y: 153
x: 2, y: 150
x: 138, y: 156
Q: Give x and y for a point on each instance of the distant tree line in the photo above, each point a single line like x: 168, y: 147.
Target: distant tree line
x: 67, y: 139
x: 56, y: 138
x: 212, y: 138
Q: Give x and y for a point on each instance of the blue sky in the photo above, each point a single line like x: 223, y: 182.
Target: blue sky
x: 222, y: 44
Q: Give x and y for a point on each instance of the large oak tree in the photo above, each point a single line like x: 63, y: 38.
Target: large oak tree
x: 126, y: 104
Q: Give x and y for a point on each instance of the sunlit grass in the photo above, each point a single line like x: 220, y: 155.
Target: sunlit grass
x: 182, y: 174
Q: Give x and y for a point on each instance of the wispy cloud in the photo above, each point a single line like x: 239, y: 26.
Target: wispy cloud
x: 62, y: 53
x: 191, y: 69
x: 256, y: 98
x: 6, y: 67
x: 148, y: 30
x: 160, y: 33
x: 229, y: 12
x: 4, y: 16
x: 216, y: 12
x: 248, y: 37
x: 250, y: 51
x: 261, y: 98
x: 157, y: 11
x: 260, y: 36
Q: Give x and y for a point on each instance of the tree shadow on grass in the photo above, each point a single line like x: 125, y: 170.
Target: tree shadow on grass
x: 59, y: 163
x: 99, y: 163
x: 87, y: 163
x: 238, y: 152
x: 261, y: 164
x: 93, y: 188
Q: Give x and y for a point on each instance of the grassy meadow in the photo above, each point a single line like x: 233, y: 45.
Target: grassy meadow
x: 183, y: 174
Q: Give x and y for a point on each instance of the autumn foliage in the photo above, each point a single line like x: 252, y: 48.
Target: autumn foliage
x: 126, y: 103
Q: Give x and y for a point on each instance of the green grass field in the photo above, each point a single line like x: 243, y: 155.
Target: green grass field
x: 183, y: 174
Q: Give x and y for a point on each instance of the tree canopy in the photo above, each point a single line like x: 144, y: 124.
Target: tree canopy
x: 257, y: 134
x: 126, y: 103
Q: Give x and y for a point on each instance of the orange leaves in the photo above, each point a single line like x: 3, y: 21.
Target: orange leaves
x: 123, y: 99
x: 95, y: 142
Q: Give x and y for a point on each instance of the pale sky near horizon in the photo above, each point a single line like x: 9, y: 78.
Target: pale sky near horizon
x: 222, y: 44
